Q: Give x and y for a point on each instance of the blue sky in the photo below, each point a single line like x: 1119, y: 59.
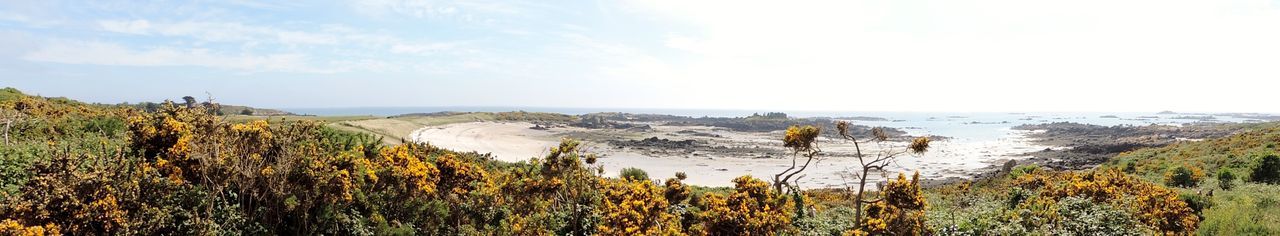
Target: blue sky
x: 875, y: 55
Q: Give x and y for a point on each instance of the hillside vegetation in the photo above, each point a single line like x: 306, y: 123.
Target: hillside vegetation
x: 1233, y: 179
x: 74, y: 168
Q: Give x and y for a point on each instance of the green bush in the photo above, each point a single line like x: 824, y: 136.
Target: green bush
x: 1226, y: 179
x: 834, y: 221
x: 1267, y: 170
x: 1197, y: 202
x: 1022, y: 170
x: 1081, y: 216
x: 1130, y: 167
x: 8, y: 93
x: 1016, y: 197
x: 1182, y: 177
x: 632, y: 173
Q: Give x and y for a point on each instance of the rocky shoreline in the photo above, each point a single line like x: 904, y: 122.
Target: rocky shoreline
x: 1085, y: 146
x: 726, y: 147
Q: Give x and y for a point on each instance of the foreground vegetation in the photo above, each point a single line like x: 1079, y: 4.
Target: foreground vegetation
x: 1231, y: 181
x: 74, y: 168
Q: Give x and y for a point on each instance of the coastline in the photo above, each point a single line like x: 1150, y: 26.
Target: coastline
x: 713, y: 151
x: 759, y: 155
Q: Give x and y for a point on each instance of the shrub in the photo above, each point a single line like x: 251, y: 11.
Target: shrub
x: 1081, y: 216
x: 1267, y: 170
x: 800, y: 138
x: 1022, y: 170
x: 919, y: 145
x: 834, y: 221
x: 1196, y: 202
x: 1016, y: 197
x: 12, y: 227
x: 751, y: 209
x: 635, y: 207
x: 631, y: 173
x: 1156, y: 207
x: 675, y: 191
x: 900, y: 210
x: 1243, y: 211
x: 1226, y: 179
x: 1184, y: 176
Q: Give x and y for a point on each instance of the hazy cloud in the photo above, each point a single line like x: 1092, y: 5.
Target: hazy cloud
x: 100, y: 53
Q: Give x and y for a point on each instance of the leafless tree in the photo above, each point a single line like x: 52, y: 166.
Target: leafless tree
x: 803, y: 143
x: 882, y: 158
x: 8, y: 117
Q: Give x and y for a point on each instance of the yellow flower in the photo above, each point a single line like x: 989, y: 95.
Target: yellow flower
x: 268, y: 171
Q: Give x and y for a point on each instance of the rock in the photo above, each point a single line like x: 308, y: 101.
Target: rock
x: 657, y: 143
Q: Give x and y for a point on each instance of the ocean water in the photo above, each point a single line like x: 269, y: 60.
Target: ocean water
x: 961, y: 126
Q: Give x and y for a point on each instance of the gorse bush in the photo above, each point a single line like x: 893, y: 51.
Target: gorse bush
x: 635, y: 207
x: 1158, y: 208
x: 1042, y: 202
x: 753, y: 208
x: 12, y: 227
x: 1267, y: 170
x: 181, y: 169
x: 900, y: 210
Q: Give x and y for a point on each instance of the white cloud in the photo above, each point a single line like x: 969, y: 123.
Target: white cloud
x: 125, y: 26
x: 298, y: 37
x: 414, y: 8
x: 421, y: 48
x: 984, y: 55
x: 219, y: 32
x: 98, y: 53
x: 367, y: 48
x: 683, y: 43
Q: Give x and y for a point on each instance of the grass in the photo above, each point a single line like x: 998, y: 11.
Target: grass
x: 1247, y: 209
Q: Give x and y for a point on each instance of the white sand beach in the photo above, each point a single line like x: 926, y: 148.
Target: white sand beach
x: 515, y: 141
x: 511, y: 142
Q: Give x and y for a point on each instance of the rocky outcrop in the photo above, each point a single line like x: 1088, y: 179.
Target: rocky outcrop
x: 655, y: 142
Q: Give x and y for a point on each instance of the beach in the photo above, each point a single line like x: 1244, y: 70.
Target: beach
x: 718, y: 155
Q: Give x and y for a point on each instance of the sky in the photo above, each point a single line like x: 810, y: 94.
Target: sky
x: 845, y: 55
